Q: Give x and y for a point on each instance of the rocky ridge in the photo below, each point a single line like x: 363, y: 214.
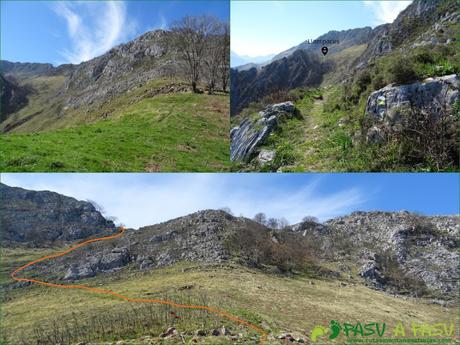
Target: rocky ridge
x: 393, y: 251
x: 397, y: 252
x: 300, y: 68
x: 41, y: 218
x: 86, y: 87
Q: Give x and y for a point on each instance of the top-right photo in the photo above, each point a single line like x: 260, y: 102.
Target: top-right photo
x: 344, y: 85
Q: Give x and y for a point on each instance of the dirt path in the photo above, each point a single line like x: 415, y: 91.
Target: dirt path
x: 263, y: 334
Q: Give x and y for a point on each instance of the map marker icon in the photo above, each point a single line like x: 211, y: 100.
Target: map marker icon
x: 324, y: 50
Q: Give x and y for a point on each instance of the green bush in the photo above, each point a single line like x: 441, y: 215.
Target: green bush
x: 378, y: 82
x: 402, y: 71
x: 424, y: 57
x: 364, y: 79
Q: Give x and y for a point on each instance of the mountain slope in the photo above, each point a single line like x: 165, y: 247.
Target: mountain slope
x: 41, y: 218
x: 130, y: 109
x: 164, y: 132
x: 265, y: 276
x: 300, y: 68
x: 419, y: 252
x: 89, y: 85
x: 12, y: 96
x: 339, y: 40
x: 409, y: 66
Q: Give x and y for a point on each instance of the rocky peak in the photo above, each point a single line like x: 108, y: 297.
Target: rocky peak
x: 25, y: 69
x: 345, y: 38
x: 122, y: 68
x: 40, y: 218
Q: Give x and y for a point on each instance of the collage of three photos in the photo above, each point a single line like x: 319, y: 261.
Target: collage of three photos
x: 229, y: 172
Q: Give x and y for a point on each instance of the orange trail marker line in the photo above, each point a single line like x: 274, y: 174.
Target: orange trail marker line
x: 263, y: 334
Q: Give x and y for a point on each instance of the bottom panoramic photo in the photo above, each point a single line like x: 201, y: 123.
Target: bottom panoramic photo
x: 229, y: 258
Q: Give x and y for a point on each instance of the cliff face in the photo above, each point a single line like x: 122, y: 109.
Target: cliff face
x: 395, y: 251
x: 300, y: 68
x: 124, y: 67
x: 422, y: 23
x: 12, y: 96
x: 40, y: 218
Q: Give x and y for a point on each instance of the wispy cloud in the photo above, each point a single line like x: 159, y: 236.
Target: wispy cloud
x: 94, y: 27
x: 144, y: 199
x: 163, y: 22
x: 386, y: 11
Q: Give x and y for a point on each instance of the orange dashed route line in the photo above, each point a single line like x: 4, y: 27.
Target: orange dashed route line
x: 262, y: 333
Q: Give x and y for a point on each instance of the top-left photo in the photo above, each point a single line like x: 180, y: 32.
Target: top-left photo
x: 94, y: 86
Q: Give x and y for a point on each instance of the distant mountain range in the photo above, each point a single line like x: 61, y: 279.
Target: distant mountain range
x: 238, y: 61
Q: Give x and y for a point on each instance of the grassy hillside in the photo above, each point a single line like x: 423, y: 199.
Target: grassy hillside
x: 276, y: 303
x: 329, y: 135
x: 166, y: 132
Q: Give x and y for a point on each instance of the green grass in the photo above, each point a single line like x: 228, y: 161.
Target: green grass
x: 172, y: 132
x: 326, y: 137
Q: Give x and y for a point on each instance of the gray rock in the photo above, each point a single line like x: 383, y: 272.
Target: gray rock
x: 434, y: 97
x: 265, y: 156
x: 170, y: 332
x: 375, y: 135
x: 41, y: 218
x: 252, y: 132
x: 424, y: 249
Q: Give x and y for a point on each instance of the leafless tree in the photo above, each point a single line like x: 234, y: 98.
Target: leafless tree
x: 310, y: 219
x: 97, y: 206
x: 282, y: 223
x: 225, y: 56
x: 213, y: 55
x: 227, y: 209
x: 272, y: 223
x: 260, y: 218
x: 190, y: 35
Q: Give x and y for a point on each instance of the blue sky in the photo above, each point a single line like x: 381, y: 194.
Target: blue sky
x: 144, y: 199
x: 270, y: 27
x: 74, y: 31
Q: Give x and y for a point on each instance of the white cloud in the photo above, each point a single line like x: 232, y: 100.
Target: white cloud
x: 145, y: 199
x: 94, y: 27
x: 253, y: 48
x: 386, y: 11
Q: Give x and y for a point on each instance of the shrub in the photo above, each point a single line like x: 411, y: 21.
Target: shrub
x: 424, y: 57
x: 402, y: 71
x: 364, y: 79
x: 378, y: 82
